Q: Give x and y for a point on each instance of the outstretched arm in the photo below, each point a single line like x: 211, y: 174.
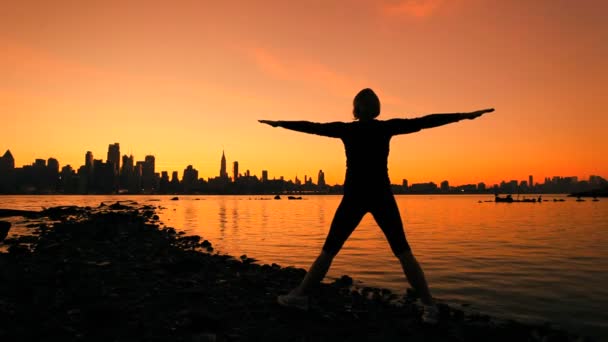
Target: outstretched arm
x: 403, y: 126
x: 330, y: 129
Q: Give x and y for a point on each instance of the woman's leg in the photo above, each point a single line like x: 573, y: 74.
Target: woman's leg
x: 347, y: 217
x: 315, y: 274
x: 415, y: 276
x: 386, y: 214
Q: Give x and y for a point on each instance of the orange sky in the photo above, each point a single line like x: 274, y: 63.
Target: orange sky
x: 185, y: 79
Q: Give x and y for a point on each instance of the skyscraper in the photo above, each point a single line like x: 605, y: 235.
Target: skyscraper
x: 127, y: 172
x: 7, y: 173
x: 88, y: 160
x: 127, y: 164
x: 189, y: 179
x: 53, y: 165
x: 7, y: 161
x: 163, y: 186
x: 114, y: 156
x: 321, y: 178
x: 235, y: 170
x: 174, y: 185
x: 150, y: 161
x: 147, y: 176
x: 223, y: 173
x: 135, y: 185
x: 52, y: 174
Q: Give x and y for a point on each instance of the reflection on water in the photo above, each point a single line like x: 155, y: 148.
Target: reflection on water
x: 537, y: 261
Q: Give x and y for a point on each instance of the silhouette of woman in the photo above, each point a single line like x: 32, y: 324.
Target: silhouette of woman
x: 367, y: 188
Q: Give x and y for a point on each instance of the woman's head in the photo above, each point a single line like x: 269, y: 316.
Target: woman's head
x: 366, y: 105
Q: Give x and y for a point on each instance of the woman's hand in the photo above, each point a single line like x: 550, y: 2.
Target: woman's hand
x: 270, y: 122
x: 476, y: 114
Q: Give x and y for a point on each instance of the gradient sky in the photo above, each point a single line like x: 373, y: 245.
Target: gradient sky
x: 185, y: 79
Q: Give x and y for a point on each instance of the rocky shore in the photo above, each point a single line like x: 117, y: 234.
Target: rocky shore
x: 115, y: 273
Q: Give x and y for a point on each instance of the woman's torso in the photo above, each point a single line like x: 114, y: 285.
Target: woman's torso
x: 366, y: 144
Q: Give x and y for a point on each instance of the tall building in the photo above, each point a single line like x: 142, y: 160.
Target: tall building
x: 7, y: 173
x: 86, y: 181
x: 235, y: 170
x: 147, y: 176
x: 135, y: 185
x: 52, y: 174
x: 163, y: 186
x: 264, y: 175
x: 88, y: 160
x: 7, y: 161
x: 103, y: 179
x: 68, y: 181
x: 114, y: 156
x: 128, y: 163
x: 113, y: 163
x: 189, y: 179
x: 531, y: 181
x: 53, y: 165
x: 223, y: 173
x: 174, y: 185
x: 321, y: 178
x: 127, y: 172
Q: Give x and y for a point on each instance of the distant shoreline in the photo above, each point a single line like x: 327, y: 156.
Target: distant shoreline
x: 583, y: 194
x: 603, y: 192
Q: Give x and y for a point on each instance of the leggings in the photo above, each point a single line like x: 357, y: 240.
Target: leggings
x: 353, y: 207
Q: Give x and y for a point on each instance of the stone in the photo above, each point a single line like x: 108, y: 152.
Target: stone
x: 4, y: 228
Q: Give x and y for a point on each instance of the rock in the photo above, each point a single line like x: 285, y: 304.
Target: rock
x: 4, y: 228
x: 15, y: 212
x: 18, y: 249
x: 119, y: 206
x: 112, y: 275
x: 344, y: 281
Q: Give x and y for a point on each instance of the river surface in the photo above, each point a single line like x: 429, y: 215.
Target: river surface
x: 539, y: 262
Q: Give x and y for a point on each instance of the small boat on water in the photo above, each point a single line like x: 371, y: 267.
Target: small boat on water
x: 506, y: 199
x: 510, y: 199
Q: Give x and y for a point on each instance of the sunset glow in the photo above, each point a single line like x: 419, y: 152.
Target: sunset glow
x: 186, y: 80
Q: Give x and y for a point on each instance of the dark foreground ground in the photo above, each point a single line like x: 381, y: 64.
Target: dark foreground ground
x: 114, y: 273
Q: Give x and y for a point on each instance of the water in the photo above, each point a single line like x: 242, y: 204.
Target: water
x: 534, y: 262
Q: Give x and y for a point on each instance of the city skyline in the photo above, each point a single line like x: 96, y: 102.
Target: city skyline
x: 114, y: 156
x: 182, y: 80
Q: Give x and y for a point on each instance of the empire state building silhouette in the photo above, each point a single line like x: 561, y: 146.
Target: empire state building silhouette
x: 223, y: 173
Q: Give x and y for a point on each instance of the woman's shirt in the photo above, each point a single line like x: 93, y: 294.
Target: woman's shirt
x: 366, y: 144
